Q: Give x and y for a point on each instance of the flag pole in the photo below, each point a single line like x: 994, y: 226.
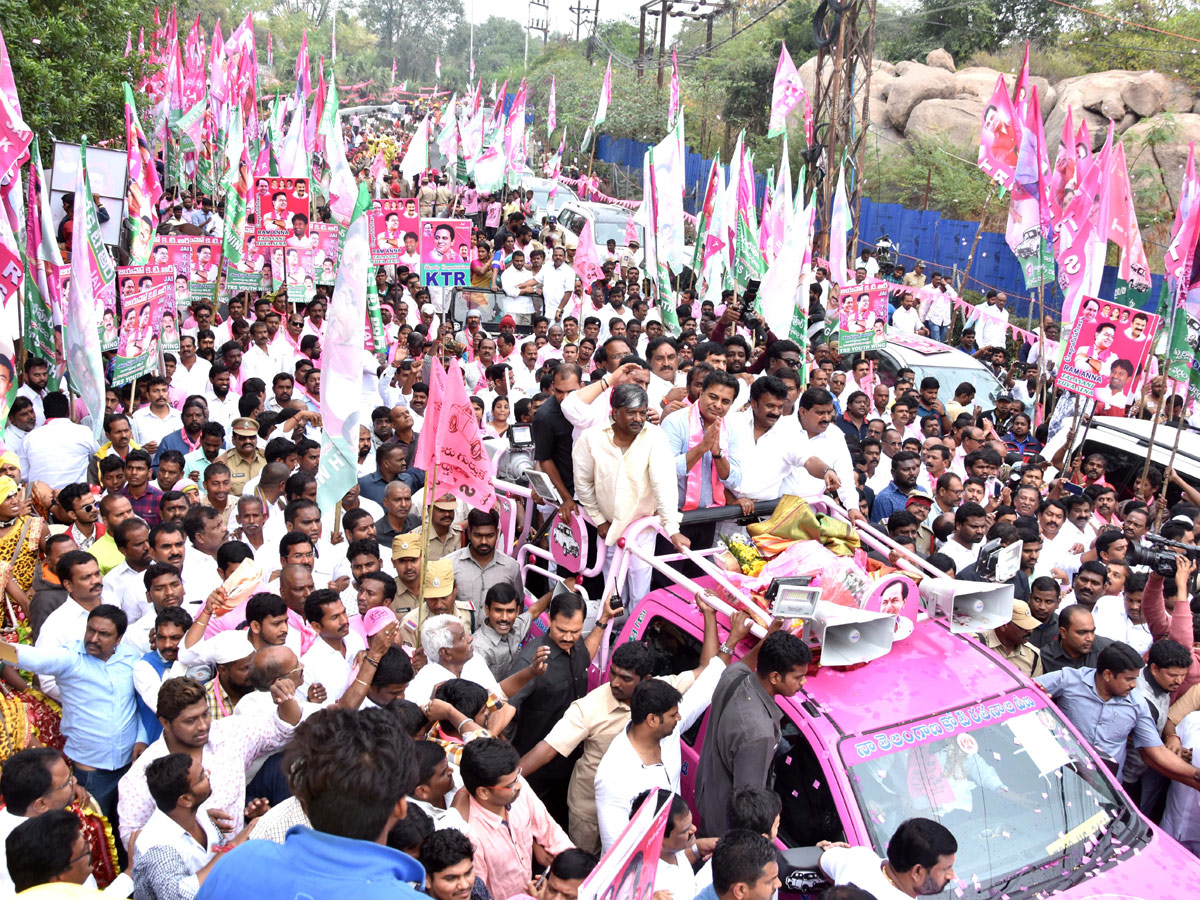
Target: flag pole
x: 426, y: 525
x: 1162, y: 500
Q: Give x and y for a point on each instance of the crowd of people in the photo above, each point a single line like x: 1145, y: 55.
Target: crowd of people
x: 251, y: 694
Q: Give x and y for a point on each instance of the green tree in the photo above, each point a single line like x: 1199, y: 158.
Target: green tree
x: 69, y: 62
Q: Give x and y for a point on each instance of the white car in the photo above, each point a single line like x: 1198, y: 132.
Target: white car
x: 951, y: 367
x: 607, y: 222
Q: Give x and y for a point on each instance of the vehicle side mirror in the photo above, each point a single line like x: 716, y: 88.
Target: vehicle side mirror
x: 800, y: 873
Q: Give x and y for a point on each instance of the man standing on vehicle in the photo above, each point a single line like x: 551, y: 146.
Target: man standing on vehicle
x: 920, y: 862
x: 744, y: 725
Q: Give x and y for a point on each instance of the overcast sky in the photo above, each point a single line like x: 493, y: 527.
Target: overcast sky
x: 561, y: 18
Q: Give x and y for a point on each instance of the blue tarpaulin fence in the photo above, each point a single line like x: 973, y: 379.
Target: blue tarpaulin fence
x: 942, y: 244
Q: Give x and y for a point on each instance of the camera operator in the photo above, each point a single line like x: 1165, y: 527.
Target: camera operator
x: 1174, y: 586
x: 983, y: 569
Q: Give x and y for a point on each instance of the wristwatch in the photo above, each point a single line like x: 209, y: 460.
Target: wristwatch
x: 725, y: 648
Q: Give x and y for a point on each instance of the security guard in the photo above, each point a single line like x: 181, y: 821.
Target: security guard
x: 406, y: 556
x: 245, y: 460
x: 441, y: 598
x: 1011, y: 640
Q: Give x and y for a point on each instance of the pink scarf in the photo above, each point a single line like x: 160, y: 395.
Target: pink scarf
x: 691, y: 497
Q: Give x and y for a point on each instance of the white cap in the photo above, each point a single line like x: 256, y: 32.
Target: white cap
x: 474, y: 314
x: 229, y: 647
x: 428, y: 309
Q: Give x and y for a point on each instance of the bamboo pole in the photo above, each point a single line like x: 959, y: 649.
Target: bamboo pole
x: 1162, y: 500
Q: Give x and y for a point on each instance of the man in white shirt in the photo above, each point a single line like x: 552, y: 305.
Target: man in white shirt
x: 772, y: 446
x: 970, y: 525
x: 827, y: 444
x: 37, y: 374
x: 191, y: 372
x: 58, y: 451
x: 333, y: 657
x: 154, y: 422
x: 558, y: 284
x: 647, y: 754
x: 907, y: 318
x: 259, y: 361
x: 447, y: 646
x: 991, y: 326
x: 920, y: 862
x: 519, y: 285
x: 937, y: 303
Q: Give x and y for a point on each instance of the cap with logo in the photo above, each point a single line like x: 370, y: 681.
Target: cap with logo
x: 246, y: 427
x: 407, y: 546
x: 445, y: 502
x: 1021, y: 616
x: 439, y: 578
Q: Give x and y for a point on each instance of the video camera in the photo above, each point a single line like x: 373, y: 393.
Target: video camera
x: 1161, y: 557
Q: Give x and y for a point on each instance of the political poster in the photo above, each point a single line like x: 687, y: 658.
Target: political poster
x: 247, y: 275
x: 999, y: 137
x: 281, y: 209
x: 394, y: 232
x: 142, y: 316
x: 325, y: 252
x: 627, y: 870
x: 862, y: 316
x: 293, y: 267
x: 197, y: 264
x: 131, y: 281
x: 445, y: 252
x: 1106, y: 353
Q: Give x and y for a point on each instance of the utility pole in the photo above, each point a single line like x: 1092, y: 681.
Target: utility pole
x: 583, y: 16
x: 533, y: 23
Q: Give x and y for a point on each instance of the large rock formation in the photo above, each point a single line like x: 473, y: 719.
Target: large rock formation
x: 933, y: 100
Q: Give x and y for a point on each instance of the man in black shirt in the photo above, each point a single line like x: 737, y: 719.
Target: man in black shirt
x: 552, y: 435
x: 541, y: 705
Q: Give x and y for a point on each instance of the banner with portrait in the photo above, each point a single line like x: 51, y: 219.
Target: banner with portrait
x: 627, y: 870
x: 248, y: 274
x: 445, y: 253
x: 142, y: 319
x: 999, y: 138
x: 281, y: 210
x: 131, y: 281
x: 393, y: 228
x: 293, y: 267
x: 1106, y: 353
x: 325, y: 252
x: 862, y: 316
x: 197, y: 264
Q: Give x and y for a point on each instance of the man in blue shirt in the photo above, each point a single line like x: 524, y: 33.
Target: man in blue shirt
x: 357, y: 767
x: 906, y: 468
x: 707, y: 451
x: 1103, y: 704
x: 100, y: 717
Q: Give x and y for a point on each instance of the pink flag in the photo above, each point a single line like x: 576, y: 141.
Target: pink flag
x: 1020, y: 95
x: 462, y: 465
x: 303, y: 82
x: 433, y: 411
x: 786, y: 94
x: 1183, y: 233
x: 141, y: 41
x: 270, y: 51
x: 587, y: 261
x: 1064, y: 177
x: 713, y: 245
x: 1083, y: 151
x: 551, y: 111
x: 128, y: 41
x: 393, y: 70
x: 437, y: 67
x: 1133, y: 267
x: 999, y: 137
x: 378, y: 166
x: 676, y: 91
x: 630, y: 231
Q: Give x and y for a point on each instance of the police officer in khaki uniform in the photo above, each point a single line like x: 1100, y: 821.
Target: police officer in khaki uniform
x: 441, y: 598
x: 406, y: 556
x: 446, y: 536
x: 1011, y: 640
x: 245, y: 460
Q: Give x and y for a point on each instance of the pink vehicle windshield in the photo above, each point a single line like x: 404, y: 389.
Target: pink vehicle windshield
x: 1028, y: 805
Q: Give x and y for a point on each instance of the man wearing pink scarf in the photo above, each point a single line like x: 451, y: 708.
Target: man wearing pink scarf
x: 706, y: 451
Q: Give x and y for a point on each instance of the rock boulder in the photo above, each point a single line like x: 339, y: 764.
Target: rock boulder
x: 915, y: 85
x: 940, y: 59
x: 1146, y: 94
x: 954, y: 122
